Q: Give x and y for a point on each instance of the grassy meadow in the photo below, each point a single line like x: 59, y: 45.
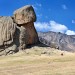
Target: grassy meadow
x: 38, y: 61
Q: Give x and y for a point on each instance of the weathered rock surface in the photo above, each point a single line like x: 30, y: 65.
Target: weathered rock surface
x: 58, y: 40
x: 24, y: 38
x: 32, y: 34
x: 24, y: 15
x: 13, y: 38
x: 21, y: 38
x: 7, y: 31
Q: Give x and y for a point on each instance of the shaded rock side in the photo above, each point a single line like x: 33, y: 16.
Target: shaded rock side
x: 32, y: 34
x: 57, y: 40
x: 23, y: 38
x: 20, y: 38
x: 24, y: 15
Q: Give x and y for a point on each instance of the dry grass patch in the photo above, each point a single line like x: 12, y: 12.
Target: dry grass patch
x: 38, y: 61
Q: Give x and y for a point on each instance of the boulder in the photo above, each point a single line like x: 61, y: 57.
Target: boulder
x: 7, y: 50
x: 57, y: 40
x: 24, y: 15
x: 7, y: 31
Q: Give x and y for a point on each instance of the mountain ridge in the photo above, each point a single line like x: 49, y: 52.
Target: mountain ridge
x: 57, y: 40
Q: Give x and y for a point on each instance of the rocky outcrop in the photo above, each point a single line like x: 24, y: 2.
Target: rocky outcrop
x: 26, y: 17
x: 57, y: 40
x: 18, y: 31
x: 7, y: 31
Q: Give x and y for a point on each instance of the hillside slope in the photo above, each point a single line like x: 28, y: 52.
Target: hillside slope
x: 57, y: 40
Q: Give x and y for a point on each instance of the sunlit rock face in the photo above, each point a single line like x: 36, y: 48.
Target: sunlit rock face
x: 7, y: 31
x: 24, y: 15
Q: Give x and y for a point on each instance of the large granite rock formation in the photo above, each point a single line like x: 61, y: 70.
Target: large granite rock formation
x: 58, y: 40
x: 7, y: 31
x: 18, y: 31
x: 26, y: 17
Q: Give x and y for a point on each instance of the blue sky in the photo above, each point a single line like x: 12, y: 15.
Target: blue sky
x: 52, y: 15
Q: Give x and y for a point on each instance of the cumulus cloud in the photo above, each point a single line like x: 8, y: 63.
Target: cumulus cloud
x: 42, y: 26
x: 53, y: 26
x: 64, y: 6
x: 70, y: 32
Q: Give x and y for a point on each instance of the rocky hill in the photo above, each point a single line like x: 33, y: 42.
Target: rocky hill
x: 58, y: 40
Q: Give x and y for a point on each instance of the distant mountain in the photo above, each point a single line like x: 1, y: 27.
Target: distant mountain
x: 58, y: 40
x: 73, y: 36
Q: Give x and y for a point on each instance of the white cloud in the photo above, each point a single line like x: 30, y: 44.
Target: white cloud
x: 64, y: 6
x: 42, y: 26
x: 53, y: 26
x: 70, y: 32
x: 57, y: 27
